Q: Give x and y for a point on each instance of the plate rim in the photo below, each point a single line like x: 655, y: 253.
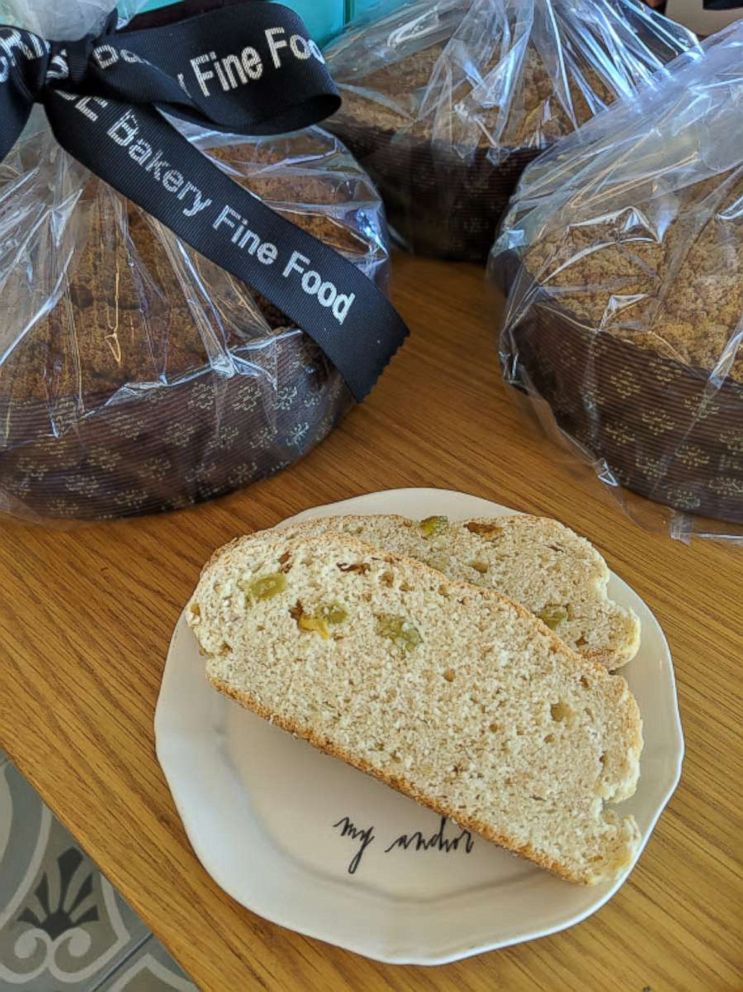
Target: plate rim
x: 460, y: 949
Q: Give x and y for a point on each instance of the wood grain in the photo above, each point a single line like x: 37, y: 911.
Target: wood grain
x: 86, y: 615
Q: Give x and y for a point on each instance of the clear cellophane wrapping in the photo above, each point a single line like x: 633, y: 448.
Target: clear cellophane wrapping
x: 135, y: 375
x: 622, y: 255
x: 446, y: 101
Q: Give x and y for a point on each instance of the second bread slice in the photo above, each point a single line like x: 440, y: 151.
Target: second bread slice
x: 557, y: 575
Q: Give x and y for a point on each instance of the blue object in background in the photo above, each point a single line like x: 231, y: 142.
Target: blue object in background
x: 324, y: 18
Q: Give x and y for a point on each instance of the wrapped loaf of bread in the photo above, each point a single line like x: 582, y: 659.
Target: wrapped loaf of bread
x: 445, y: 102
x: 135, y: 375
x: 623, y: 249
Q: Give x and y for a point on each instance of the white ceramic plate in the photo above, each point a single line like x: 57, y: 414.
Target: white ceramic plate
x: 270, y: 817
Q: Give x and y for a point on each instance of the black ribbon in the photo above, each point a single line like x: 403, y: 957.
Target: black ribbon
x: 240, y: 66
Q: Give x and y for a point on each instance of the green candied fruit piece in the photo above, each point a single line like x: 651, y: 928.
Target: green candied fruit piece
x: 308, y: 622
x: 266, y: 587
x: 433, y: 525
x: 327, y: 616
x: 553, y: 615
x: 399, y: 630
x: 334, y: 613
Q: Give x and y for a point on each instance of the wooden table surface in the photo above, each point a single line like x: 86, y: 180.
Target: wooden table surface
x: 86, y: 616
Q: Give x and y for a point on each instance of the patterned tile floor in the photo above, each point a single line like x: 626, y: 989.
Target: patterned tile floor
x: 63, y: 928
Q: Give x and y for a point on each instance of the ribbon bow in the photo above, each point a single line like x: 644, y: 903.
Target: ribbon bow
x: 238, y: 66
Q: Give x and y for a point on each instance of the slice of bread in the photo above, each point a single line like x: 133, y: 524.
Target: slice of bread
x: 540, y: 563
x: 450, y: 693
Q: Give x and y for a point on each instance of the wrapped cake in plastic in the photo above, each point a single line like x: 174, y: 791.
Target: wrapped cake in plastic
x: 623, y: 250
x: 135, y: 374
x: 445, y: 102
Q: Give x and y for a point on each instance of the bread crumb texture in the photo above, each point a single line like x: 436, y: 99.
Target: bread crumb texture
x: 448, y: 692
x: 540, y: 563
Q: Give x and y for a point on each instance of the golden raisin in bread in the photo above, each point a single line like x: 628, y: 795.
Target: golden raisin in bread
x: 450, y: 693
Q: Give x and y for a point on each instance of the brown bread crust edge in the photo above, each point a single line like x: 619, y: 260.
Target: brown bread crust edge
x: 396, y: 782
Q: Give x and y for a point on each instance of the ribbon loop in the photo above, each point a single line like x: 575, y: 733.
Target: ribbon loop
x: 68, y: 62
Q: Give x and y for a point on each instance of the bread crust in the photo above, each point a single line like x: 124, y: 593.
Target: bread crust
x: 396, y: 782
